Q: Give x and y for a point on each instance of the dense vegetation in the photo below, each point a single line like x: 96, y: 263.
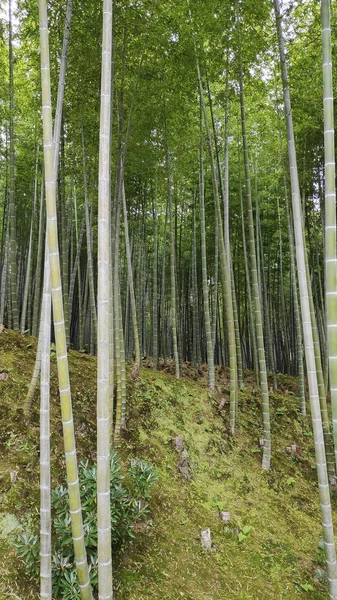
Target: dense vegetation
x: 167, y: 193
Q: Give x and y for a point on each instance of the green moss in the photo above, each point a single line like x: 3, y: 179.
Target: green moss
x: 273, y: 560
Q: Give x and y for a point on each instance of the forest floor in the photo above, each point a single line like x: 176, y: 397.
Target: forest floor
x: 270, y: 549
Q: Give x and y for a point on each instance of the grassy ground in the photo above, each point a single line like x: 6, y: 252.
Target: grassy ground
x: 270, y: 548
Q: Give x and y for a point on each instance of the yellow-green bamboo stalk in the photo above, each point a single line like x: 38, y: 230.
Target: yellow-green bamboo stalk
x: 59, y: 326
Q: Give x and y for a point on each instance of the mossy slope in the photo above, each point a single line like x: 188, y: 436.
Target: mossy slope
x: 277, y: 558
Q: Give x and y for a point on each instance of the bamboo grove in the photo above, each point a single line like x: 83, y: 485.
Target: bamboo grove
x: 167, y: 183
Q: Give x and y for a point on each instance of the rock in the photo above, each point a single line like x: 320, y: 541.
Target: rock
x: 179, y: 443
x: 8, y: 524
x: 224, y: 516
x: 261, y: 442
x: 13, y: 476
x: 293, y: 449
x: 206, y: 539
x: 222, y: 404
x: 135, y: 371
x: 184, y: 469
x: 4, y: 375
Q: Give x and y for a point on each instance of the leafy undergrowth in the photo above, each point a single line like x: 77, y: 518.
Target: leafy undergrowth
x: 270, y: 547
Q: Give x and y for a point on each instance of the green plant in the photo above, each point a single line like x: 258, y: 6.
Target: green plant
x: 130, y: 495
x: 305, y: 587
x: 244, y: 532
x: 28, y: 548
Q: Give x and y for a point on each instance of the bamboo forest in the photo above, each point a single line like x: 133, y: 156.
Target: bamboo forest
x: 168, y: 300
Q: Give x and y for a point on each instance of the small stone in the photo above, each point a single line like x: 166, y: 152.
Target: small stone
x: 222, y: 404
x: 225, y: 516
x: 293, y: 448
x: 4, y: 375
x: 206, y: 539
x: 184, y: 469
x: 179, y: 443
x: 261, y: 442
x: 13, y: 475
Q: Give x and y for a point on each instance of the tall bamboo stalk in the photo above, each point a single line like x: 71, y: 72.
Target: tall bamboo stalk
x: 330, y: 212
x: 172, y: 265
x: 13, y: 243
x: 131, y: 286
x: 155, y: 285
x: 59, y: 326
x: 45, y: 491
x: 255, y: 287
x: 30, y: 251
x: 209, y: 341
x: 89, y: 243
x: 324, y: 495
x: 39, y: 262
x: 103, y: 318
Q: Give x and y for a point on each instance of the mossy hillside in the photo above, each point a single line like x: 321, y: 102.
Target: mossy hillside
x: 279, y: 510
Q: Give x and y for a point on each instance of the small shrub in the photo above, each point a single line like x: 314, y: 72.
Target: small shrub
x: 130, y: 496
